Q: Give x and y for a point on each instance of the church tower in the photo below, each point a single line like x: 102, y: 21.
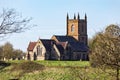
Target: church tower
x: 77, y: 28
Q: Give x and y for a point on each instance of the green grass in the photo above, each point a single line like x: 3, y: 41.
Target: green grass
x: 58, y: 63
x: 64, y: 63
x: 55, y: 70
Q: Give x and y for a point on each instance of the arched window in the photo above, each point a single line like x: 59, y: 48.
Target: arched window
x: 39, y: 51
x: 72, y: 28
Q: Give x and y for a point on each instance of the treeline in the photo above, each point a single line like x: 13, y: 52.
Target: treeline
x: 7, y: 52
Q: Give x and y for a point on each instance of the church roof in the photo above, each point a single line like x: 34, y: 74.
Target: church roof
x: 47, y: 43
x: 31, y: 46
x: 60, y: 48
x: 74, y: 44
x: 63, y: 44
x: 78, y: 46
x: 65, y: 38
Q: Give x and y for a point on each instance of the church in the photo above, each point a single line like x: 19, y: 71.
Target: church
x: 72, y: 46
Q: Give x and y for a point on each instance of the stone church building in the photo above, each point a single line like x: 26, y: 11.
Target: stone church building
x: 72, y: 46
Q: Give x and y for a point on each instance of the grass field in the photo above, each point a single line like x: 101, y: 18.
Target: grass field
x: 53, y: 70
x: 59, y: 63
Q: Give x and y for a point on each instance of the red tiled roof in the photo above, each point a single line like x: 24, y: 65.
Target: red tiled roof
x: 31, y: 46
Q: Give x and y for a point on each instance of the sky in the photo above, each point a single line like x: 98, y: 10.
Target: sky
x: 50, y: 17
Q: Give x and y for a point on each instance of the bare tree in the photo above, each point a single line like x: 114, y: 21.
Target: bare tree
x: 12, y: 22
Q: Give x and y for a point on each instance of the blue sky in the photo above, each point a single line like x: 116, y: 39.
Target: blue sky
x: 50, y: 17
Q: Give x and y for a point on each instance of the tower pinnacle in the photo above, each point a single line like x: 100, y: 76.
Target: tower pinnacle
x: 78, y: 16
x: 74, y: 16
x: 67, y: 16
x: 85, y: 17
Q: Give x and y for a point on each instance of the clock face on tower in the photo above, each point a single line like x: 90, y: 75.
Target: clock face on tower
x: 72, y: 28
